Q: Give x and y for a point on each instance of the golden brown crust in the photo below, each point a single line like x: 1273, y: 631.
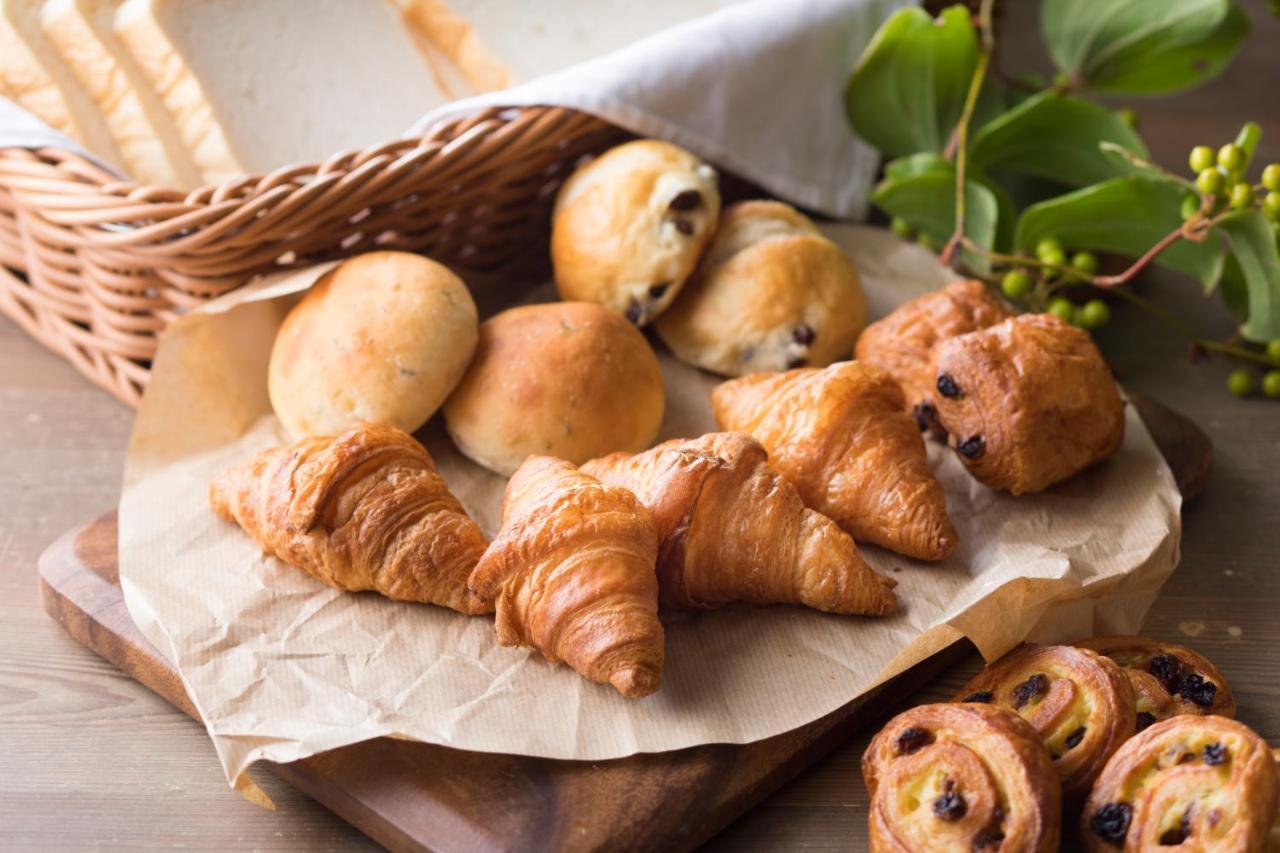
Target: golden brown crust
x: 629, y: 227
x: 572, y: 572
x: 903, y: 342
x: 771, y: 293
x: 365, y: 510
x: 384, y: 336
x: 1079, y: 701
x: 841, y: 437
x: 961, y: 777
x: 566, y: 379
x: 731, y: 529
x: 1030, y: 402
x: 1198, y: 783
x: 1167, y: 679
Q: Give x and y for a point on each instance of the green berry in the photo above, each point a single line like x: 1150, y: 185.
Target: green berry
x: 1201, y: 158
x: 899, y: 226
x: 1231, y: 157
x: 1062, y: 308
x: 1085, y: 262
x: 1053, y: 258
x: 1129, y: 116
x: 1271, y: 177
x: 1241, y: 196
x: 1048, y: 244
x: 1190, y: 206
x: 1016, y: 284
x: 1273, y: 350
x: 1094, y: 314
x: 1271, y: 204
x: 1271, y: 384
x: 1210, y: 181
x: 1240, y: 382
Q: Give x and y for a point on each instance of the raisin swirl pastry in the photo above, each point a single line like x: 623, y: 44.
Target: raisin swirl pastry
x: 961, y: 777
x: 1028, y: 402
x: 1201, y: 783
x: 1079, y: 701
x: 628, y: 227
x: 1167, y: 679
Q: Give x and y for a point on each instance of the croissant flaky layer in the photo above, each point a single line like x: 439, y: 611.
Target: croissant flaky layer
x: 733, y: 530
x: 961, y: 777
x: 364, y: 510
x: 572, y: 572
x: 841, y: 437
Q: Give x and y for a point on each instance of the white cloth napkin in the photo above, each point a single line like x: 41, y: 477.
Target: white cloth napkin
x: 756, y: 88
x: 21, y: 129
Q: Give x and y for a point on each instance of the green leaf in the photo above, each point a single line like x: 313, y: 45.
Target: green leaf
x: 1125, y: 159
x: 907, y: 91
x: 1056, y: 137
x: 916, y: 164
x: 1129, y: 47
x: 1126, y: 216
x: 1253, y: 248
x: 927, y: 201
x: 1248, y: 138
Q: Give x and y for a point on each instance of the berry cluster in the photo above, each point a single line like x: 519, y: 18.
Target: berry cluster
x: 1017, y: 284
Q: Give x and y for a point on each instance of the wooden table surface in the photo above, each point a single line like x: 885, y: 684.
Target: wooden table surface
x: 91, y: 760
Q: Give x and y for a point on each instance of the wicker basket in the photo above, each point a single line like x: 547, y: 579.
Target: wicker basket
x: 95, y: 267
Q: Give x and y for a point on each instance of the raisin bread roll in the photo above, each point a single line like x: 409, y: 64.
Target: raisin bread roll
x: 629, y: 227
x: 772, y: 294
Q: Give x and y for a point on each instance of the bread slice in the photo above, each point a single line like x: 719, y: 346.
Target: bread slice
x: 34, y: 76
x: 254, y: 85
x: 151, y: 151
x: 498, y: 43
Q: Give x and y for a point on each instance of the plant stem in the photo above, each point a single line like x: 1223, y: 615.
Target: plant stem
x: 1185, y: 331
x: 961, y: 135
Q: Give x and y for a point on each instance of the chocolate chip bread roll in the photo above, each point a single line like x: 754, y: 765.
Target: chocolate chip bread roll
x: 629, y: 227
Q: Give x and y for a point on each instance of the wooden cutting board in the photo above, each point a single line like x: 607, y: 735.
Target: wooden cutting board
x: 413, y: 796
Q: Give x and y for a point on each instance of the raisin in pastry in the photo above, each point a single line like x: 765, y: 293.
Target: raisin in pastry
x: 1167, y: 679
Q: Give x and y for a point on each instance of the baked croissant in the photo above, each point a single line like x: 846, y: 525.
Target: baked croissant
x: 839, y: 435
x: 572, y: 573
x: 1079, y: 701
x: 1208, y: 783
x: 731, y: 529
x: 1028, y: 402
x: 1167, y: 679
x: 961, y: 777
x: 903, y: 342
x: 364, y: 510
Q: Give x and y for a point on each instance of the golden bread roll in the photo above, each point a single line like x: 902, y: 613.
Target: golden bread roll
x: 629, y: 227
x: 566, y: 379
x: 383, y: 337
x: 772, y: 294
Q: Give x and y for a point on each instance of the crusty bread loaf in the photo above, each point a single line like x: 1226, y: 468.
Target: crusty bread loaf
x: 382, y: 337
x: 566, y: 379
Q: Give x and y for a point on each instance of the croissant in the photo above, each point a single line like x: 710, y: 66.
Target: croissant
x: 1079, y: 701
x: 731, y: 529
x: 572, y: 573
x: 1167, y: 679
x: 903, y: 342
x: 1028, y: 402
x: 961, y: 777
x: 365, y: 510
x: 1209, y: 783
x: 839, y: 435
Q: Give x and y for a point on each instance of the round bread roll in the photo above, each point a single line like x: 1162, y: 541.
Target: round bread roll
x: 567, y: 379
x: 629, y: 227
x: 772, y: 294
x: 381, y: 337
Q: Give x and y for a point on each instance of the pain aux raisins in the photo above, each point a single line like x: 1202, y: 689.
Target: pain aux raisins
x: 947, y: 386
x: 950, y: 806
x: 1196, y: 690
x: 1168, y: 671
x: 912, y: 740
x: 1033, y: 688
x: 984, y: 696
x: 1214, y: 754
x: 1111, y: 822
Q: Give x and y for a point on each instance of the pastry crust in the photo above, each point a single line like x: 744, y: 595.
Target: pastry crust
x: 1205, y: 782
x: 961, y: 777
x: 1028, y: 402
x: 731, y: 529
x: 1167, y: 679
x: 772, y: 294
x: 364, y: 510
x: 572, y: 574
x: 903, y: 342
x: 384, y: 337
x: 1079, y: 702
x: 566, y: 379
x: 629, y: 226
x: 840, y: 436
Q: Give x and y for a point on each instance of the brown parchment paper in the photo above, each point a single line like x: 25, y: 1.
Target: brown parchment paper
x: 282, y: 667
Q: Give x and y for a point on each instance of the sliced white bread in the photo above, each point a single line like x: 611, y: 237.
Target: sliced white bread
x: 33, y: 75
x: 151, y: 150
x: 498, y: 43
x: 254, y: 85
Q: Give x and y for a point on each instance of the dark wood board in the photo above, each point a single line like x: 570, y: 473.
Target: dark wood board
x: 411, y: 796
